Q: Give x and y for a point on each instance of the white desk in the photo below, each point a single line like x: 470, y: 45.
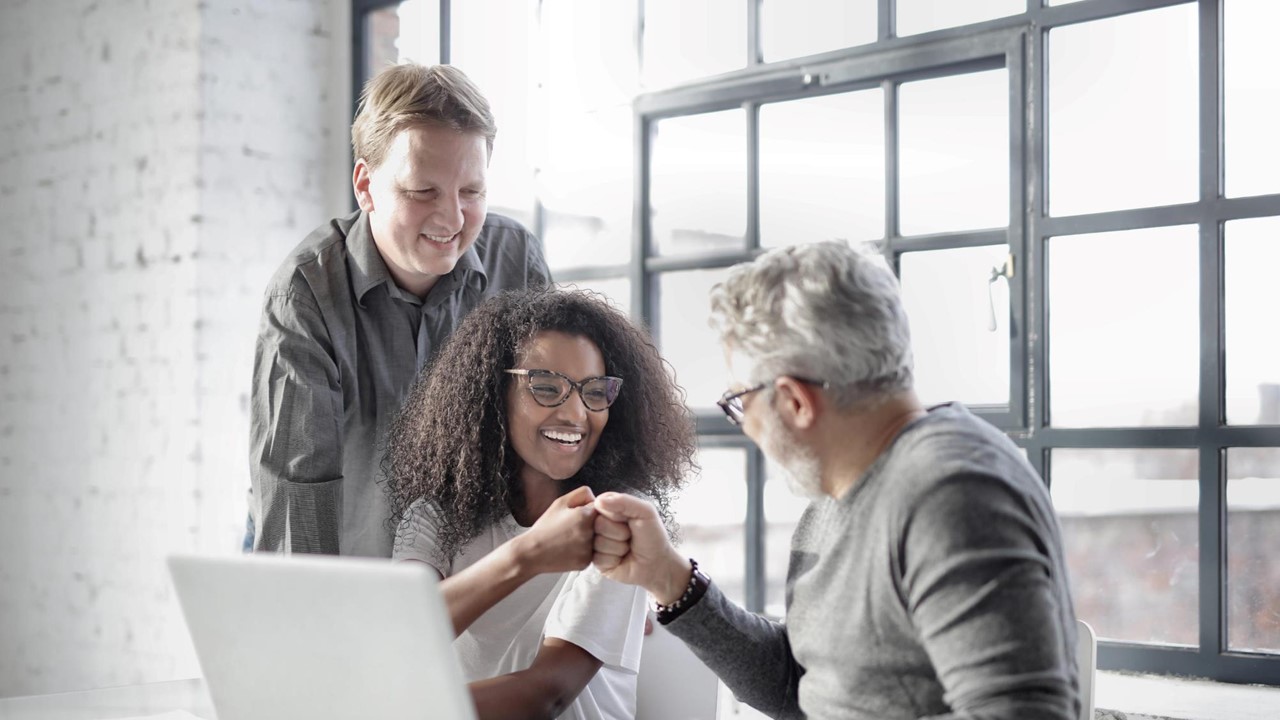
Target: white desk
x: 105, y: 704
x: 1140, y: 696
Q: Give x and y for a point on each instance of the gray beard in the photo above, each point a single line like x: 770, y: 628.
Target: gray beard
x: 801, y: 481
x: 784, y: 458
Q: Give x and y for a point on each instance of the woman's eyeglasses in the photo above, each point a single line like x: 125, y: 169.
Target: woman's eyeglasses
x: 550, y: 389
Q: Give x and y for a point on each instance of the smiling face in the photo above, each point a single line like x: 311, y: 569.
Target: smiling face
x: 425, y: 202
x: 553, y: 444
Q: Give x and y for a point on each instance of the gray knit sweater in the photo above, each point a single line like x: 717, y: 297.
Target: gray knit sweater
x: 935, y: 588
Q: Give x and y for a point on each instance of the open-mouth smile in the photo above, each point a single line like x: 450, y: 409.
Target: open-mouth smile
x: 571, y: 439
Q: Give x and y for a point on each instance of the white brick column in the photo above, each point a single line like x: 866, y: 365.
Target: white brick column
x: 157, y: 159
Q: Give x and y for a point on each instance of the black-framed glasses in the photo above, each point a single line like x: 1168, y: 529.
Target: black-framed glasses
x: 550, y: 389
x: 731, y: 401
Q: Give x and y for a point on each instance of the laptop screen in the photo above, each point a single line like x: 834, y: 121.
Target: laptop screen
x: 322, y: 638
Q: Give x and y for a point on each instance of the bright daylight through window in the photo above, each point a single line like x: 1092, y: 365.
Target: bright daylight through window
x: 1079, y: 199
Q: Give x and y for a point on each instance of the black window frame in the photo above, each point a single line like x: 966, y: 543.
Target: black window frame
x: 1019, y: 44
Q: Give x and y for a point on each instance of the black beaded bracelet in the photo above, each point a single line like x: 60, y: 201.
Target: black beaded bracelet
x: 697, y: 587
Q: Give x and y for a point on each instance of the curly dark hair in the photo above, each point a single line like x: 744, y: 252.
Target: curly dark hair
x: 449, y: 443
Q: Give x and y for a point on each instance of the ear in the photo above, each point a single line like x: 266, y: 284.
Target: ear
x: 799, y: 403
x: 361, y: 177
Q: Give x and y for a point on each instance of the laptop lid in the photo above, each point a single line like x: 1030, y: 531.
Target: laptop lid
x: 321, y: 638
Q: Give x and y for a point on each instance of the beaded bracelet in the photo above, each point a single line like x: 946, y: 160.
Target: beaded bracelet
x: 697, y: 587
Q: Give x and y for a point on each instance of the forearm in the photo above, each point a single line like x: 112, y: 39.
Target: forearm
x: 470, y: 593
x: 750, y: 654
x: 668, y: 584
x: 516, y: 696
x: 544, y: 690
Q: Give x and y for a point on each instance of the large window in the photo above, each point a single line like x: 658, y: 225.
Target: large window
x: 1079, y: 198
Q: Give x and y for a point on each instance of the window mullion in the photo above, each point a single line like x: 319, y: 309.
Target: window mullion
x: 1213, y: 543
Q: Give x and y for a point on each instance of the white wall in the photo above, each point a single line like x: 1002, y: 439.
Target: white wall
x: 156, y: 160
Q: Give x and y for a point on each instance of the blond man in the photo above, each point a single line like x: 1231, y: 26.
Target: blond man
x: 365, y: 301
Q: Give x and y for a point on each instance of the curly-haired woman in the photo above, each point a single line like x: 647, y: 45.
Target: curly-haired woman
x: 539, y: 401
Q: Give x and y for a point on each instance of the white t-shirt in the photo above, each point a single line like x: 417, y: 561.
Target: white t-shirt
x: 601, y: 616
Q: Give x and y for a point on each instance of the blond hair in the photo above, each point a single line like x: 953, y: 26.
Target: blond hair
x: 408, y: 95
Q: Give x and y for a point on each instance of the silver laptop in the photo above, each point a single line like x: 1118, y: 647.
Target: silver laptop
x: 320, y: 638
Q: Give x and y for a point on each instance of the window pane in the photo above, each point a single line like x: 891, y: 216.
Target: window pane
x: 822, y: 169
x: 712, y: 511
x: 420, y: 31
x: 1124, y: 343
x: 917, y: 16
x: 806, y: 27
x: 686, y: 340
x: 698, y: 191
x: 381, y: 31
x: 1252, y: 345
x: 959, y: 353
x: 409, y: 31
x: 590, y: 53
x: 585, y: 185
x: 954, y: 156
x: 1251, y: 91
x: 586, y: 166
x: 1253, y: 534
x: 687, y: 40
x: 1123, y: 124
x: 616, y: 291
x: 1130, y: 526
x: 782, y: 510
x: 507, y: 80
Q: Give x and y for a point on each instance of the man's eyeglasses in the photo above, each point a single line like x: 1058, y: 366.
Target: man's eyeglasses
x: 731, y: 401
x: 550, y: 389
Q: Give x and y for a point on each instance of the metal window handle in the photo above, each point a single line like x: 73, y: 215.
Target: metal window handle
x: 1004, y: 271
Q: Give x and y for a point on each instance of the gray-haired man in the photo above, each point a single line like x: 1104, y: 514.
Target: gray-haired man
x: 926, y: 576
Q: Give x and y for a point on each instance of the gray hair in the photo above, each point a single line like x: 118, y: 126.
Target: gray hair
x: 825, y: 311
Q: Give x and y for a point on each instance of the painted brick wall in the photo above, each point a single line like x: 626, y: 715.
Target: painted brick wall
x: 156, y: 160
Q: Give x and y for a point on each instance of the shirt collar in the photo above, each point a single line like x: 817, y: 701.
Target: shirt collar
x: 367, y: 267
x: 470, y: 267
x: 369, y: 270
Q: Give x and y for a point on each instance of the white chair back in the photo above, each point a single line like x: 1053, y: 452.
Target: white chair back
x: 673, y: 683
x: 1086, y: 666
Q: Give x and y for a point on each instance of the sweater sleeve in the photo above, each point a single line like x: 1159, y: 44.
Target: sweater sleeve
x: 979, y: 587
x: 750, y: 654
